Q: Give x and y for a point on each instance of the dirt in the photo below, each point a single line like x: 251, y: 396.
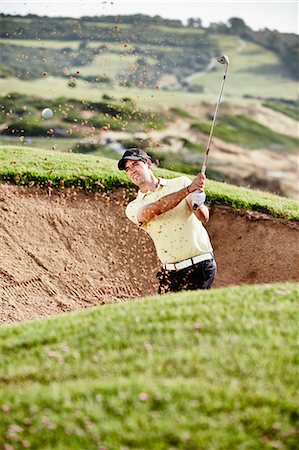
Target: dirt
x: 69, y: 251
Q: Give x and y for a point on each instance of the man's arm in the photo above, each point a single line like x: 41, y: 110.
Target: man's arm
x: 169, y: 201
x: 202, y: 213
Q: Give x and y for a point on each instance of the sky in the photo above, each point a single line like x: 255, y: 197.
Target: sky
x: 275, y: 15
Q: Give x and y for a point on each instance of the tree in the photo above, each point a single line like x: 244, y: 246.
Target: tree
x: 194, y: 23
x: 238, y: 26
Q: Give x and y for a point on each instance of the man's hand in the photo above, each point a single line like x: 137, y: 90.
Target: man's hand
x: 198, y: 184
x: 198, y: 197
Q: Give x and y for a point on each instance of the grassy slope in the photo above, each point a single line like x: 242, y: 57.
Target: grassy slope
x: 107, y: 65
x: 253, y: 71
x: 245, y: 131
x: 197, y: 370
x: 56, y: 87
x: 29, y: 166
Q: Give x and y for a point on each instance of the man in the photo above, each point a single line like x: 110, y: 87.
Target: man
x: 163, y: 208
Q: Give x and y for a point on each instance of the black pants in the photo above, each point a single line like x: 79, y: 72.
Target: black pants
x: 198, y: 276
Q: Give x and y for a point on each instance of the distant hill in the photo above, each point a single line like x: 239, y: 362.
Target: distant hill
x: 163, y: 46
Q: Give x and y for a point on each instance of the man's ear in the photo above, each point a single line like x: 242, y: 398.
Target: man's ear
x: 149, y: 163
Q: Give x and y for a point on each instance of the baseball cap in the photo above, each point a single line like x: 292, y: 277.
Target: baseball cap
x: 134, y: 154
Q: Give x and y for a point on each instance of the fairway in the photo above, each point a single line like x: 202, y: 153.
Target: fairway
x: 107, y: 65
x: 253, y: 72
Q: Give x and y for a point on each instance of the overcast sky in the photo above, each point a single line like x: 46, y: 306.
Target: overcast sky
x: 275, y: 15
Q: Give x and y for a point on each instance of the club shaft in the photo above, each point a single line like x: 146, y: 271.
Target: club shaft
x: 204, y: 165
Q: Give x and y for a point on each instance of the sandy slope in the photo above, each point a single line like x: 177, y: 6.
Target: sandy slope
x: 73, y: 251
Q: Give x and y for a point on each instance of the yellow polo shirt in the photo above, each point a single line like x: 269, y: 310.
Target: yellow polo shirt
x: 177, y: 234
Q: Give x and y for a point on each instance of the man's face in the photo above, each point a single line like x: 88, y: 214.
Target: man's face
x: 138, y: 171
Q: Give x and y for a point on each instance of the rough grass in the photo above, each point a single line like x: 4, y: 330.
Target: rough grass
x: 22, y: 115
x: 290, y: 109
x: 32, y: 166
x: 245, y: 131
x: 181, y: 112
x: 195, y: 370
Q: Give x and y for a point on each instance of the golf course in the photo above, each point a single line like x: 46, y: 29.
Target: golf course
x: 91, y: 357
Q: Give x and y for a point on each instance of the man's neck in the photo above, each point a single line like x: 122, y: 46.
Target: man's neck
x: 150, y: 186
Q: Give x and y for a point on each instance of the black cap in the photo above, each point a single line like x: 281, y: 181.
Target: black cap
x: 134, y: 154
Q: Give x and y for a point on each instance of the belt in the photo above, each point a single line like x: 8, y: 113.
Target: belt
x: 187, y: 262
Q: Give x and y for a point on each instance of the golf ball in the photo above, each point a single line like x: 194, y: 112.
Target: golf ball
x: 47, y: 113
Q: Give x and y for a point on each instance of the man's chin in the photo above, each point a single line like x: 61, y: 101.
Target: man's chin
x: 136, y: 180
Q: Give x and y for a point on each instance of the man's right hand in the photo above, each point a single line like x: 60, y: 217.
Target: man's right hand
x: 198, y: 184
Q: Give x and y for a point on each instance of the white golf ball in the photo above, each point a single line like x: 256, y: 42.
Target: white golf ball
x: 47, y: 113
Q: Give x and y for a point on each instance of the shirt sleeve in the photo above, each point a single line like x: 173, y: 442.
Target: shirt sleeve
x: 132, y: 210
x: 186, y: 181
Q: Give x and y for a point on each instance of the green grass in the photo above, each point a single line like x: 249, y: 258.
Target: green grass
x: 196, y: 370
x: 253, y: 71
x: 51, y: 87
x: 247, y: 132
x: 22, y: 116
x: 29, y: 166
x: 49, y: 143
x: 181, y: 113
x: 290, y: 109
x: 43, y: 43
x: 108, y: 64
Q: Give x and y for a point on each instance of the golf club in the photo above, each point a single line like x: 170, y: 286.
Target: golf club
x: 198, y: 198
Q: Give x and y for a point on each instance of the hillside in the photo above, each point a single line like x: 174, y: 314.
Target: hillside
x: 197, y: 370
x: 167, y: 75
x: 253, y: 145
x: 152, y: 48
x: 150, y: 82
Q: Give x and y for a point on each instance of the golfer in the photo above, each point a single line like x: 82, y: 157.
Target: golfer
x: 163, y: 208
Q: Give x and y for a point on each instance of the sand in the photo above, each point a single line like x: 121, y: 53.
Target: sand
x: 69, y: 251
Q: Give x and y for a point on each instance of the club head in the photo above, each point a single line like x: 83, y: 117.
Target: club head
x: 223, y: 59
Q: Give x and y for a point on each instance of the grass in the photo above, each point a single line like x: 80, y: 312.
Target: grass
x: 253, y: 71
x: 107, y: 65
x: 22, y: 116
x: 51, y: 87
x: 44, y: 43
x: 32, y: 166
x: 289, y: 109
x: 181, y: 113
x: 247, y: 132
x: 194, y: 370
x: 49, y: 143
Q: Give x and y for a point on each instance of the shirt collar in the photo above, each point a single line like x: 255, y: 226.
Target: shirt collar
x: 162, y: 182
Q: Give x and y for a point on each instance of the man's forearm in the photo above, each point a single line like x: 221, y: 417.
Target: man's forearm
x: 202, y: 213
x: 162, y: 205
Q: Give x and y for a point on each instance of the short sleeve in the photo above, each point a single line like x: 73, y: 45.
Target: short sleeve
x: 186, y: 181
x: 132, y: 210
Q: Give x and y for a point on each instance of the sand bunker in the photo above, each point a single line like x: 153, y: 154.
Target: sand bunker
x: 70, y: 251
